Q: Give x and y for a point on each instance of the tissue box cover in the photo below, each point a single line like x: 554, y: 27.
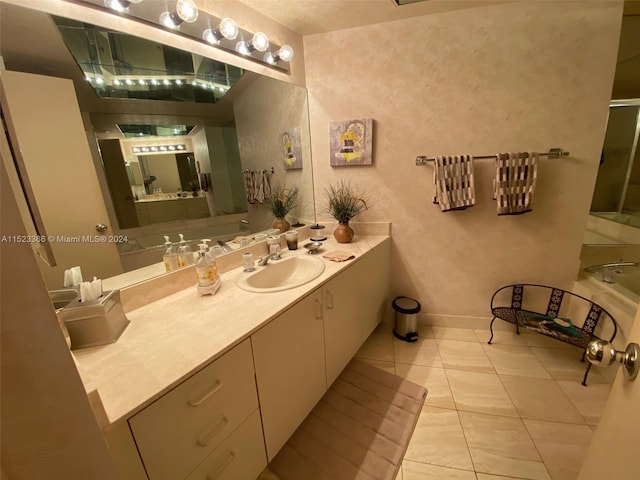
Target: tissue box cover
x: 97, y: 322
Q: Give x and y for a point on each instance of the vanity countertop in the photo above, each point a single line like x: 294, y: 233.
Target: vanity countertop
x: 170, y: 339
x: 168, y: 197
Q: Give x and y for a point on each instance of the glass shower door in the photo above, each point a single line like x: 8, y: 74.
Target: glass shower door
x: 617, y: 189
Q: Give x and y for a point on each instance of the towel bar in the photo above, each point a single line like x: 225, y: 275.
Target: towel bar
x: 552, y: 153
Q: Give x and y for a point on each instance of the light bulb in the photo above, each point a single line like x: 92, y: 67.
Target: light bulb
x: 210, y: 37
x: 121, y: 6
x: 242, y: 48
x: 269, y: 58
x: 187, y: 10
x: 285, y: 53
x: 168, y: 20
x: 228, y: 28
x: 260, y: 41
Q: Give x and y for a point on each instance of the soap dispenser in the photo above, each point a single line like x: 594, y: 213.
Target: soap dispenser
x: 207, y: 272
x: 185, y: 254
x: 170, y: 256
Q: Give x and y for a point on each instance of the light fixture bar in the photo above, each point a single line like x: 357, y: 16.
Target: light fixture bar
x: 189, y: 21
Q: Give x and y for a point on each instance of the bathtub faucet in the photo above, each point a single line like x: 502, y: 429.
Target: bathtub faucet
x: 609, y: 270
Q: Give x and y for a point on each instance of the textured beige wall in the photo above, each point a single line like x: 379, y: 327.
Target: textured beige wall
x: 517, y: 76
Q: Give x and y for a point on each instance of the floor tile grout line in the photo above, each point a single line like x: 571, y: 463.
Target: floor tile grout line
x: 523, y: 347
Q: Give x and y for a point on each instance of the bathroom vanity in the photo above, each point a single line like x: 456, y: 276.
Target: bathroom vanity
x: 212, y: 387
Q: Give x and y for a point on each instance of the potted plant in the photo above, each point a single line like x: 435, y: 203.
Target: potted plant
x: 280, y: 202
x: 344, y: 203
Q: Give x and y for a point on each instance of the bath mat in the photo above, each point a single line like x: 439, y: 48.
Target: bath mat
x: 360, y: 429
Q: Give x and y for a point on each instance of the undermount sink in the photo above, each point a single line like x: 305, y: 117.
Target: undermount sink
x: 277, y: 275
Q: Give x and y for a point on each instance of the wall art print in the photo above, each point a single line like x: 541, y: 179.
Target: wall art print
x: 291, y: 149
x: 350, y: 142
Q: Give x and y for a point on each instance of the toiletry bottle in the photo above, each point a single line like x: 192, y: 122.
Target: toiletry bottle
x: 170, y: 256
x: 185, y: 254
x: 207, y: 272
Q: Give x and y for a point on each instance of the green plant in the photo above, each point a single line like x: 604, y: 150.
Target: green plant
x: 344, y: 201
x: 281, y: 200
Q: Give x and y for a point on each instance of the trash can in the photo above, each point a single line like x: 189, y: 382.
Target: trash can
x: 405, y: 325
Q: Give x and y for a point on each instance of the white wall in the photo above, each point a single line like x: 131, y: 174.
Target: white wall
x: 508, y: 77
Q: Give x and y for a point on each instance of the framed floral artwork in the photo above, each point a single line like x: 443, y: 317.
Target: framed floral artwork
x: 291, y: 149
x: 350, y: 142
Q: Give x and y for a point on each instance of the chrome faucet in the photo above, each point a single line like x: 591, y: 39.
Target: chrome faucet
x: 272, y: 256
x: 225, y: 248
x: 610, y: 269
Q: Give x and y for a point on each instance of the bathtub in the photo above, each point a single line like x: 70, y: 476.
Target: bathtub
x: 620, y: 299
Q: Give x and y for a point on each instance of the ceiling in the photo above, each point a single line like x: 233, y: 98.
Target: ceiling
x: 308, y: 17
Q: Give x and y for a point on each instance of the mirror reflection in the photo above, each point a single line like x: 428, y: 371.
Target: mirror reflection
x: 615, y: 209
x: 144, y: 191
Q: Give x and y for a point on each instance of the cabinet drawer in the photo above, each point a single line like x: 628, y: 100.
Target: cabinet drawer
x: 180, y: 429
x: 240, y: 457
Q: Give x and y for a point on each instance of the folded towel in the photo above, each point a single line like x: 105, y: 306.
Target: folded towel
x: 338, y: 256
x: 515, y: 182
x: 454, y: 182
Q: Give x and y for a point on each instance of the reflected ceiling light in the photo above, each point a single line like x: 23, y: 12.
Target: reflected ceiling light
x: 121, y: 6
x: 285, y: 53
x: 186, y: 11
x: 259, y: 42
x: 228, y: 29
x: 117, y: 82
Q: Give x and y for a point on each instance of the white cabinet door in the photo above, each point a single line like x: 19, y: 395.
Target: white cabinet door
x: 290, y: 369
x: 343, y: 318
x: 373, y: 296
x: 355, y: 303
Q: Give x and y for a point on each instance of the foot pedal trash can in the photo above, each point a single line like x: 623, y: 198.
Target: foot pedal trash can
x: 405, y: 325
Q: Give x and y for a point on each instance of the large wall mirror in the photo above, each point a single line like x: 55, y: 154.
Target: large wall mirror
x: 172, y: 137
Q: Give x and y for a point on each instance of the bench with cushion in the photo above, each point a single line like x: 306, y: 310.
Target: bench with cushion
x: 552, y: 312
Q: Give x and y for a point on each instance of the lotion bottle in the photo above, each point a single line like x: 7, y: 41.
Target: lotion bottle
x: 207, y: 272
x: 185, y: 254
x: 170, y: 256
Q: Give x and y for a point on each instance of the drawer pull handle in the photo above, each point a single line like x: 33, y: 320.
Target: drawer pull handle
x: 210, y: 435
x: 318, y: 310
x: 329, y: 300
x: 223, y: 466
x: 199, y: 401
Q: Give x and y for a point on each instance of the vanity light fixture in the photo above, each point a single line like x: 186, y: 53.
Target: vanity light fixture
x: 228, y: 28
x: 259, y: 42
x: 186, y: 11
x: 285, y: 53
x: 159, y: 148
x: 121, y: 6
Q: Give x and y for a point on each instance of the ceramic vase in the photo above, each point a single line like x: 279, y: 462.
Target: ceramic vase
x: 343, y: 233
x: 281, y: 224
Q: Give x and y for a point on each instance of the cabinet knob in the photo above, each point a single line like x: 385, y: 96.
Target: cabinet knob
x: 205, y: 396
x: 101, y: 227
x: 223, y: 466
x: 329, y: 300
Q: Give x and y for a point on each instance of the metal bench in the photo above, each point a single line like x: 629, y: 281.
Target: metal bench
x: 528, y: 300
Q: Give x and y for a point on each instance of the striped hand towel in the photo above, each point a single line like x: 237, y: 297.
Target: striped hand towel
x: 515, y: 182
x: 454, y: 182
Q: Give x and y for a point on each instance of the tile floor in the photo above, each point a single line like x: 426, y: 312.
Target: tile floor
x: 511, y: 410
